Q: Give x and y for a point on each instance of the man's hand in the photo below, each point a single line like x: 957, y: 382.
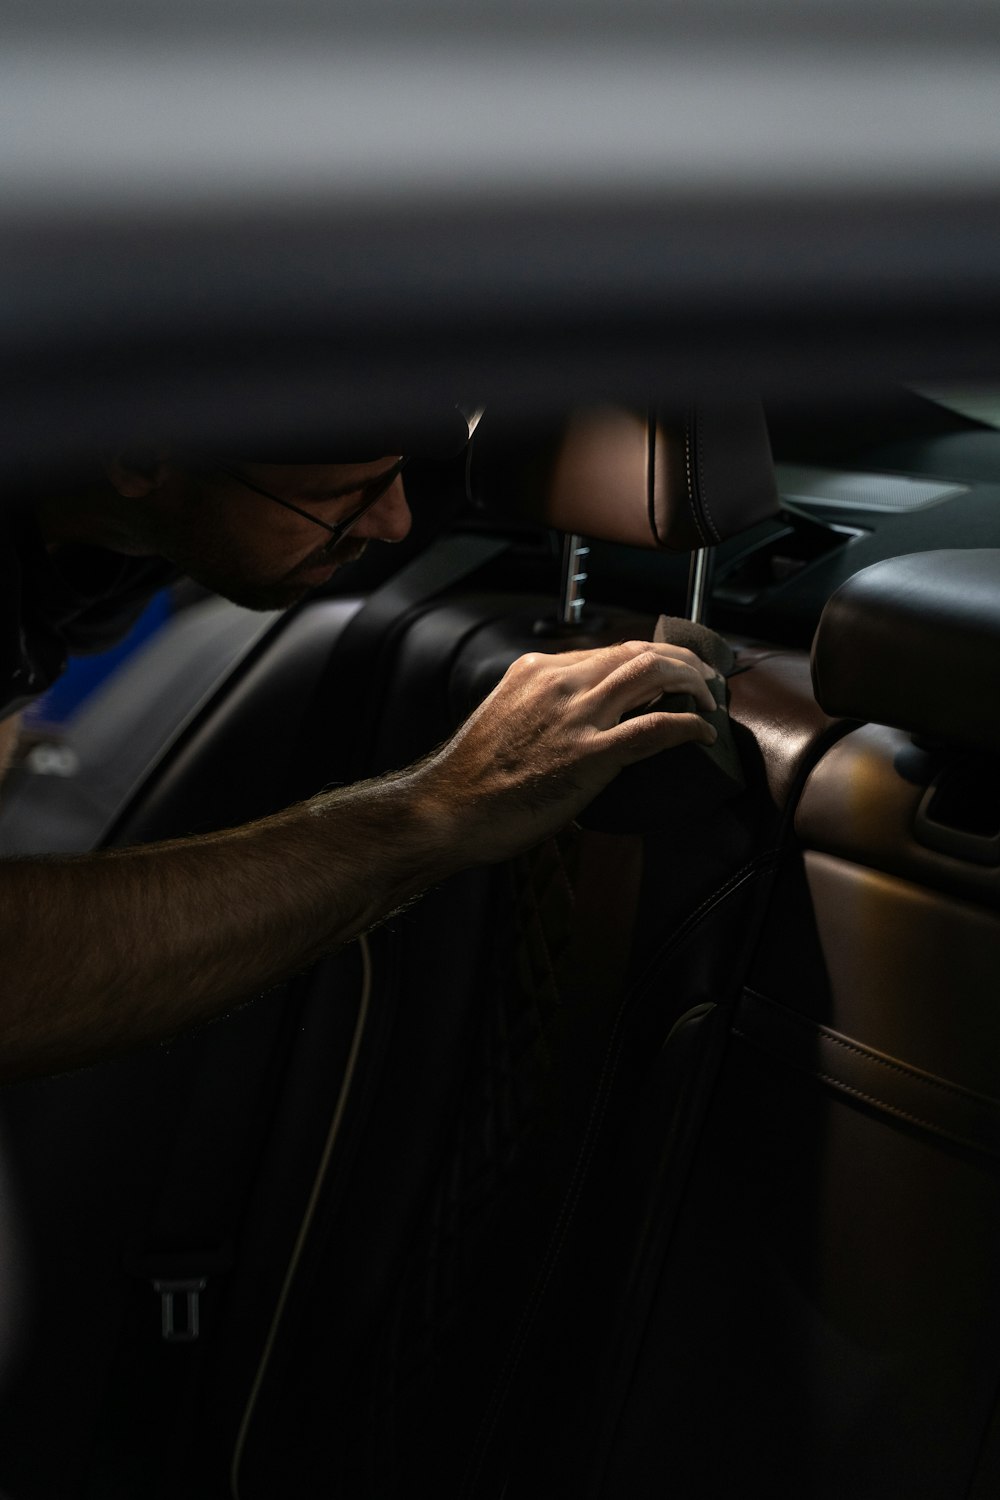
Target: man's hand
x: 551, y: 735
x: 107, y: 951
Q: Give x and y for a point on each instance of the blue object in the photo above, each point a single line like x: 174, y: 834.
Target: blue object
x: 85, y: 674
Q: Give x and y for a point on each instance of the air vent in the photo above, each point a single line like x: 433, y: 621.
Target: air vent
x: 832, y: 489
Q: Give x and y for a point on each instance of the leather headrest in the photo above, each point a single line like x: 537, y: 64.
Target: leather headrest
x: 914, y: 642
x: 708, y: 476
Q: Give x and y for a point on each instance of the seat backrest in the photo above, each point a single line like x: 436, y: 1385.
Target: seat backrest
x: 840, y: 1330
x: 476, y: 1367
x: 435, y: 1243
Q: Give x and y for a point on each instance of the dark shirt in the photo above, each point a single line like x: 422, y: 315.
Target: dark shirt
x: 73, y: 600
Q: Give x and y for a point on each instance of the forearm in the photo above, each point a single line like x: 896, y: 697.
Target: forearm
x: 10, y: 730
x: 108, y: 951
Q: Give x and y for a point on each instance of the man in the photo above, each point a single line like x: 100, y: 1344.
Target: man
x: 112, y: 950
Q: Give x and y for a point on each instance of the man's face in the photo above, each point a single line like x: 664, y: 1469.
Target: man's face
x: 253, y: 551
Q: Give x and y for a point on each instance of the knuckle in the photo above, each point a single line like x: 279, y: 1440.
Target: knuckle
x: 686, y: 656
x: 623, y: 652
x: 682, y: 656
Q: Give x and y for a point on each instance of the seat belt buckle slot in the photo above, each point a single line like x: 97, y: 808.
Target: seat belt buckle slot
x: 180, y: 1311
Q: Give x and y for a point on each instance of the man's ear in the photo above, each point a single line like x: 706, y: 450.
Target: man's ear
x: 137, y: 472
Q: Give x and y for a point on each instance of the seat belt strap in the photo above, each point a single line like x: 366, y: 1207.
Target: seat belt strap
x: 354, y: 674
x: 150, y: 1407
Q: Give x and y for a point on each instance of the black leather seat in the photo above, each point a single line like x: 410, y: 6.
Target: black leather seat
x: 508, y: 1284
x: 459, y: 1189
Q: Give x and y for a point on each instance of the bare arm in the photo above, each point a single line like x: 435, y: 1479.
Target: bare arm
x: 107, y: 951
x: 10, y: 730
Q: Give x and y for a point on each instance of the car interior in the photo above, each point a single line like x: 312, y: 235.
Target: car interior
x: 662, y: 1157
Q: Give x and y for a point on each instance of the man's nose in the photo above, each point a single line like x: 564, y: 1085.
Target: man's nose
x: 389, y: 519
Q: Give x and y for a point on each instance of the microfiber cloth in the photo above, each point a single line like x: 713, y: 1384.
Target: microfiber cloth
x: 681, y: 783
x: 718, y: 654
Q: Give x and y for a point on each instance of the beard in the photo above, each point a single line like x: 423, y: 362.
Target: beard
x: 275, y: 593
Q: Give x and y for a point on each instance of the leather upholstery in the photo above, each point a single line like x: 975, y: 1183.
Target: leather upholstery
x: 922, y: 1099
x: 709, y: 476
x: 838, y: 1241
x: 772, y: 701
x: 914, y: 642
x: 861, y: 803
x: 713, y: 474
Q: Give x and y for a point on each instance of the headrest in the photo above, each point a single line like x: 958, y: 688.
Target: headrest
x: 708, y: 476
x: 914, y: 642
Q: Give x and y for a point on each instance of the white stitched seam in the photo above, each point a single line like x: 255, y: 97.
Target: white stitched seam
x: 703, y: 496
x: 928, y: 1079
x: 846, y: 1088
x: 692, y: 499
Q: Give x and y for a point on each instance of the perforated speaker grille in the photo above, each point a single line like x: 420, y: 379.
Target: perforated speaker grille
x: 832, y: 488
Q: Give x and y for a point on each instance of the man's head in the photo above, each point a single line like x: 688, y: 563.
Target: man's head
x: 224, y: 523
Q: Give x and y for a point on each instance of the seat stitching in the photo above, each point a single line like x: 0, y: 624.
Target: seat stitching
x: 702, y: 494
x: 549, y: 963
x: 915, y: 1075
x: 692, y: 497
x: 883, y: 1104
x: 723, y: 890
x: 930, y: 1079
x: 564, y: 873
x: 758, y: 866
x: 599, y: 1108
x: 558, y: 1236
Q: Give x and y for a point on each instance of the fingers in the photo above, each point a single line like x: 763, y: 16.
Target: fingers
x: 586, y: 668
x: 644, y: 677
x: 649, y: 733
x: 654, y: 666
x: 582, y: 696
x: 551, y: 736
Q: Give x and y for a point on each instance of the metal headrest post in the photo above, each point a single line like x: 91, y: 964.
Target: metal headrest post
x: 680, y: 480
x: 699, y: 583
x: 700, y: 570
x: 574, y: 578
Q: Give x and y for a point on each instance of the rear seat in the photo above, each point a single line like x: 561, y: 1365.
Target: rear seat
x: 506, y: 1273
x: 825, y: 1321
x: 575, y: 997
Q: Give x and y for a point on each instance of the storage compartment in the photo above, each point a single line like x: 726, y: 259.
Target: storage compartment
x: 779, y: 556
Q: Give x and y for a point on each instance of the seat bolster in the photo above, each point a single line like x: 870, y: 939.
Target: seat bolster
x: 914, y: 642
x: 772, y: 701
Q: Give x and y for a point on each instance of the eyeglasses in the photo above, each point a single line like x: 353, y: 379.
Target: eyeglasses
x: 383, y: 483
